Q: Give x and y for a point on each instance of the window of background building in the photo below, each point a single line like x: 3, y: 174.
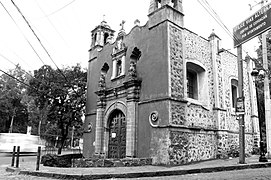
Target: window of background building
x: 234, y: 92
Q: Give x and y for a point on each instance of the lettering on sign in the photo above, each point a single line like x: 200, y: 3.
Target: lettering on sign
x: 253, y: 26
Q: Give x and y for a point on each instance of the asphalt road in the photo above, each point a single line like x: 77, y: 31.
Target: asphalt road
x: 247, y: 174
x: 5, y: 161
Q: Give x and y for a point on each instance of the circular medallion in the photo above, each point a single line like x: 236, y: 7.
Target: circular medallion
x: 154, y: 116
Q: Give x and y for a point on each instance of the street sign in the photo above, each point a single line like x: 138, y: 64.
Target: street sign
x: 240, y: 105
x: 253, y: 26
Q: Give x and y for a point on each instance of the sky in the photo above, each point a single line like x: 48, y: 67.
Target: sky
x: 63, y: 27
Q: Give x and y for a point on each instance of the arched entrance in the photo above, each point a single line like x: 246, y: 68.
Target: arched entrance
x: 117, y: 135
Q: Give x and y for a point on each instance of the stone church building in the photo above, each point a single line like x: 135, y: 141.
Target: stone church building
x: 163, y: 92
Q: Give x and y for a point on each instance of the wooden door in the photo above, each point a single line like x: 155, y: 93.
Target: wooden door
x: 117, y: 135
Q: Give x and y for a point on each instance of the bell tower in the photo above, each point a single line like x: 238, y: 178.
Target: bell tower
x: 101, y: 35
x: 163, y: 10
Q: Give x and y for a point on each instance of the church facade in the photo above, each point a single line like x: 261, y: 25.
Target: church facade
x: 165, y: 93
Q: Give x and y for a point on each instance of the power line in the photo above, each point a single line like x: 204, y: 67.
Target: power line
x: 60, y: 8
x: 211, y: 11
x: 222, y: 23
x: 22, y: 33
x: 15, y: 64
x: 59, y: 34
x: 27, y: 22
x: 15, y: 78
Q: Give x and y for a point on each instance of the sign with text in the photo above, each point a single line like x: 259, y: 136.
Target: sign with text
x: 240, y: 105
x: 253, y: 26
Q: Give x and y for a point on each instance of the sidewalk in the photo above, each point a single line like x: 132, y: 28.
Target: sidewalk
x: 217, y: 165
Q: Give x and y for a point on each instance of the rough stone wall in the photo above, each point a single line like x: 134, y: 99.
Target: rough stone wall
x: 188, y: 147
x: 178, y: 114
x: 209, y: 144
x: 197, y: 116
x: 222, y: 144
x: 220, y: 70
x: 176, y: 62
x: 230, y: 62
x: 248, y: 119
x: 191, y: 116
x: 197, y: 49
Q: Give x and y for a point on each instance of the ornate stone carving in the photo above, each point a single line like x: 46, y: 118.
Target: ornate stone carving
x: 136, y: 54
x: 102, y: 82
x: 132, y: 70
x: 154, y: 116
x: 120, y: 46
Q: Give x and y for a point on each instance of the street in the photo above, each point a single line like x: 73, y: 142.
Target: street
x: 5, y: 161
x: 247, y: 174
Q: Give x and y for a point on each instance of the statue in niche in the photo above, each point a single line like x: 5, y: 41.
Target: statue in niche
x: 102, y: 81
x: 132, y: 70
x: 136, y: 54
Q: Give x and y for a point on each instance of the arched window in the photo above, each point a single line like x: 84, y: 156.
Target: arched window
x: 192, y: 88
x: 195, y: 80
x: 119, y: 66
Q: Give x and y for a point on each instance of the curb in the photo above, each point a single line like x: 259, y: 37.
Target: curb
x: 13, y: 169
x: 139, y: 174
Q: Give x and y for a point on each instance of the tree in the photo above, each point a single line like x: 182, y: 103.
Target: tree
x: 62, y: 94
x: 13, y: 110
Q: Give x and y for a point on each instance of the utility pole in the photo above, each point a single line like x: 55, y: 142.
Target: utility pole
x: 241, y: 106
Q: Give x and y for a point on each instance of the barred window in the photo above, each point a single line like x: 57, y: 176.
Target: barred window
x: 192, y: 89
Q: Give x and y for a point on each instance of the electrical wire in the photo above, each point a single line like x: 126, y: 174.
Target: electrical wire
x: 54, y: 27
x: 52, y: 24
x: 15, y: 64
x: 215, y: 16
x: 15, y: 78
x: 22, y: 33
x: 27, y: 22
x: 232, y: 35
x: 60, y: 8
